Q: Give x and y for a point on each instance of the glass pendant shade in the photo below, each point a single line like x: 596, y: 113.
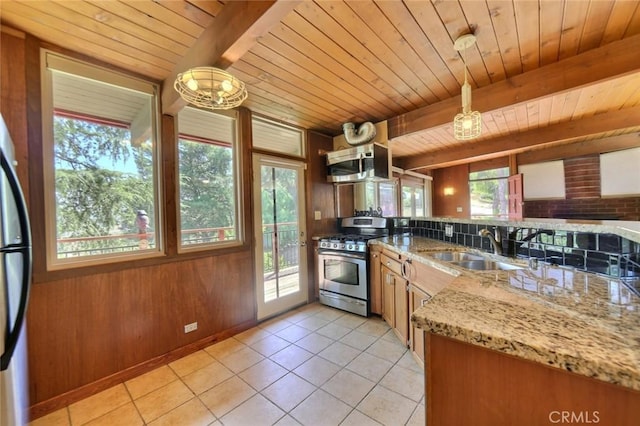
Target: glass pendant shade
x: 210, y: 88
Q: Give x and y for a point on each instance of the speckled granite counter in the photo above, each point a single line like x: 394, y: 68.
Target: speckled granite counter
x: 560, y: 317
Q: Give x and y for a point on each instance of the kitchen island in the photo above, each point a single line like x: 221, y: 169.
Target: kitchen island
x: 526, y: 346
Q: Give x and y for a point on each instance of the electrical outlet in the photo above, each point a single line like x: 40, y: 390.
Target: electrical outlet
x: 448, y: 230
x: 191, y: 327
x: 317, y: 215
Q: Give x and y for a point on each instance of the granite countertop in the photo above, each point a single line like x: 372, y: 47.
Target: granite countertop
x: 557, y: 316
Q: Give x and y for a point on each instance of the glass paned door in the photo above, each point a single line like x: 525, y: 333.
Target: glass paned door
x: 280, y: 234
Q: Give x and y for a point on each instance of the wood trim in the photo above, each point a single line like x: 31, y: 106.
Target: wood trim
x: 169, y: 188
x: 45, y: 407
x: 504, y: 145
x: 235, y: 30
x: 591, y: 67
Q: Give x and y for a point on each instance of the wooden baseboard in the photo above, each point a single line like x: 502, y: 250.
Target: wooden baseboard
x: 45, y: 407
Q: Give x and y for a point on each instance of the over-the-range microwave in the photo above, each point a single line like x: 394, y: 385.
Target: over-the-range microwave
x: 370, y: 161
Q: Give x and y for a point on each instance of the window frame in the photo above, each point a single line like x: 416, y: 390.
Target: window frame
x: 500, y: 178
x: 61, y: 63
x: 237, y: 177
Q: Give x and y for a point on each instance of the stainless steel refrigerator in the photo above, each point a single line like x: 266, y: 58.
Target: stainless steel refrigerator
x: 15, y: 279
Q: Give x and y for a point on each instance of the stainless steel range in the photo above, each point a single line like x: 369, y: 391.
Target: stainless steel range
x: 343, y: 262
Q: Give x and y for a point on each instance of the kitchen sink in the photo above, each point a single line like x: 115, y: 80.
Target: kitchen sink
x: 456, y: 256
x: 486, y: 265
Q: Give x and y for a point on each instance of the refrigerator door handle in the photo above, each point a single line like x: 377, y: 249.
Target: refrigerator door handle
x: 21, y: 206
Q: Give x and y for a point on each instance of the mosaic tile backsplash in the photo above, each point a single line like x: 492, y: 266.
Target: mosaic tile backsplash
x: 606, y: 254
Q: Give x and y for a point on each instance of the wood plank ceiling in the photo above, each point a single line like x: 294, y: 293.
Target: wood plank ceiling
x: 542, y: 72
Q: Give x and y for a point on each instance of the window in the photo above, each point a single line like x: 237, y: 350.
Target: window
x: 489, y: 190
x: 275, y: 137
x: 100, y: 157
x: 413, y: 199
x: 208, y: 187
x: 379, y: 194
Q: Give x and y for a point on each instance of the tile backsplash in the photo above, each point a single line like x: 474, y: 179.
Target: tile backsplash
x: 605, y: 253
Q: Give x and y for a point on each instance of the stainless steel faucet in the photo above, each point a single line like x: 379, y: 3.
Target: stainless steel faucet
x: 495, y: 240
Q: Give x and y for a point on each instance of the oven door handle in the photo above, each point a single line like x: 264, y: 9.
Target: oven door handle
x: 342, y: 254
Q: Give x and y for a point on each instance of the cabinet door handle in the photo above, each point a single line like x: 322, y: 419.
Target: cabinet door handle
x: 424, y: 301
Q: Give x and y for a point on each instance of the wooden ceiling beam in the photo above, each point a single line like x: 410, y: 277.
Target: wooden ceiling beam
x: 594, y: 66
x: 579, y: 149
x: 233, y: 32
x: 505, y: 145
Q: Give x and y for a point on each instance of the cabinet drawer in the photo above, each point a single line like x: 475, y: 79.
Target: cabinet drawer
x: 392, y: 264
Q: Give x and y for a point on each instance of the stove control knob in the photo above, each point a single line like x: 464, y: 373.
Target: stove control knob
x: 335, y: 245
x: 350, y: 246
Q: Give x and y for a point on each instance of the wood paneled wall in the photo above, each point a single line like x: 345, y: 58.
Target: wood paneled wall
x: 456, y: 178
x: 582, y: 177
x: 320, y: 197
x: 90, y: 328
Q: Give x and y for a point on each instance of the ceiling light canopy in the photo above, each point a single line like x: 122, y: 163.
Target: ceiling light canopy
x: 210, y: 88
x: 467, y: 124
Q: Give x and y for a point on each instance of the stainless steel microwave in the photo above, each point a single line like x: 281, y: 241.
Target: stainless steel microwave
x: 370, y: 161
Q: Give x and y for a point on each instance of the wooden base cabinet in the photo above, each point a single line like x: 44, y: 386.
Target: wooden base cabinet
x: 471, y: 385
x: 375, y: 281
x: 395, y: 300
x: 417, y: 297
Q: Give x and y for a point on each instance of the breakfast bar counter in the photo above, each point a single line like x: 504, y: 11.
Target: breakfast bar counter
x: 553, y: 316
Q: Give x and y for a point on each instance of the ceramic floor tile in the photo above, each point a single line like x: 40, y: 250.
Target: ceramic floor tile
x: 321, y: 409
x: 150, y: 381
x: 289, y: 391
x: 291, y: 357
x: 391, y: 351
x: 387, y: 407
x: 312, y: 323
x: 293, y: 333
x: 274, y: 325
x: 270, y: 345
x: 262, y: 374
x: 287, y: 421
x: 350, y: 321
x: 339, y: 354
x: 418, y: 418
x: 358, y: 340
x: 226, y: 396
x: 254, y: 411
x: 207, y: 377
x: 57, y: 418
x: 191, y: 413
x: 252, y: 335
x: 99, y: 404
x: 405, y: 382
x: 407, y: 361
x: 330, y: 314
x: 317, y: 370
x: 369, y: 366
x: 356, y: 418
x: 348, y: 387
x: 374, y: 326
x: 125, y: 415
x: 314, y: 342
x: 334, y: 331
x: 191, y: 363
x: 224, y: 348
x: 163, y: 400
x: 241, y: 360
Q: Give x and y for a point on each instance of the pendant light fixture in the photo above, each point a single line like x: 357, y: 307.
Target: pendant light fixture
x: 210, y: 88
x: 467, y: 124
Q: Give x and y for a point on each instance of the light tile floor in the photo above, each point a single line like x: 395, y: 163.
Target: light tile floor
x: 313, y: 366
